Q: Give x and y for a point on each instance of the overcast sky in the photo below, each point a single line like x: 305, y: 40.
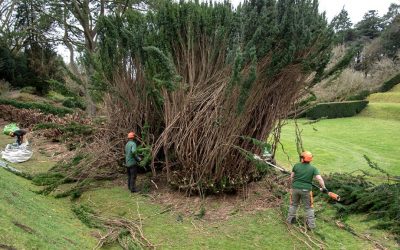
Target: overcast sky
x: 356, y: 8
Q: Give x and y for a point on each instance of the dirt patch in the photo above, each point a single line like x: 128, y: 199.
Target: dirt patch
x: 255, y: 197
x: 24, y: 227
x: 6, y: 247
x: 54, y: 150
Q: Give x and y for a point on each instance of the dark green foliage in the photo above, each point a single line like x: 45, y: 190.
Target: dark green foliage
x: 43, y: 107
x: 27, y: 68
x: 371, y: 25
x: 45, y: 179
x: 87, y: 216
x: 360, y: 96
x: 71, y: 129
x: 336, y: 109
x: 61, y: 88
x: 74, y: 102
x: 247, y: 82
x: 390, y: 39
x: 360, y: 196
x: 389, y: 84
x: 341, y: 25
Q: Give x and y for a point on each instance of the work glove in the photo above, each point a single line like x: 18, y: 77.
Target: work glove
x: 324, y: 190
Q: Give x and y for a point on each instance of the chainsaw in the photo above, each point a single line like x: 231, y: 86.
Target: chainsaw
x: 334, y: 196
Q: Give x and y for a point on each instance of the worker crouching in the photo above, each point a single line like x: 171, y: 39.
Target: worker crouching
x: 301, y: 189
x: 20, y: 133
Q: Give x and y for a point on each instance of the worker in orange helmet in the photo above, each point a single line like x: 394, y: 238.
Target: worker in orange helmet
x: 131, y: 160
x: 301, y: 186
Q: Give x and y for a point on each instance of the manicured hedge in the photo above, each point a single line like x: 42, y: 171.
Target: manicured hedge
x: 336, y: 109
x: 389, y: 84
x: 43, y: 107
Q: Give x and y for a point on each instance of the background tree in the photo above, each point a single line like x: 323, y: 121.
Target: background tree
x: 370, y: 26
x: 341, y: 24
x: 27, y: 46
x: 393, y: 12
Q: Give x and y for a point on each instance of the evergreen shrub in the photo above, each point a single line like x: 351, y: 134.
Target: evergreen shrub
x: 43, y: 107
x: 61, y: 88
x: 70, y: 129
x: 359, y: 96
x: 74, y: 102
x: 389, y: 84
x: 336, y: 109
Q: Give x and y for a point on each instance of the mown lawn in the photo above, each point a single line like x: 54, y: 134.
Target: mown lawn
x: 339, y: 144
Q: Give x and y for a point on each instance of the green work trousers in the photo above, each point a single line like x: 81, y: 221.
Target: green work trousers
x: 306, y: 197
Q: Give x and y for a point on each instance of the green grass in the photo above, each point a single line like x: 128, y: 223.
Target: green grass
x: 388, y: 97
x: 384, y: 105
x: 242, y: 231
x: 45, y: 223
x: 385, y: 111
x: 338, y: 145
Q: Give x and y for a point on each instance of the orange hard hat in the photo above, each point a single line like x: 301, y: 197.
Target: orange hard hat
x: 306, y: 156
x: 131, y: 135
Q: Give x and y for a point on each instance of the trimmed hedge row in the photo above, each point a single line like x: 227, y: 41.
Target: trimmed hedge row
x: 43, y: 107
x: 336, y: 109
x: 389, y: 84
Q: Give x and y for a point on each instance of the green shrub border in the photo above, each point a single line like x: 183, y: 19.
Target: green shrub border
x: 336, y: 109
x: 389, y: 84
x: 45, y: 108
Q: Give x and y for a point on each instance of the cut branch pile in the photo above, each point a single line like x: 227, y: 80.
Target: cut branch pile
x: 27, y: 118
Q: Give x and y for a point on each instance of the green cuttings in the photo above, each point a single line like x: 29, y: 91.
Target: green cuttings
x: 70, y: 129
x: 145, y: 153
x: 360, y: 196
x: 389, y: 84
x: 43, y: 107
x: 45, y: 179
x: 336, y: 109
x: 86, y: 215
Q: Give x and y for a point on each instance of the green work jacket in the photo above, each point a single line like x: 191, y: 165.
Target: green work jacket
x: 303, y: 175
x: 130, y: 150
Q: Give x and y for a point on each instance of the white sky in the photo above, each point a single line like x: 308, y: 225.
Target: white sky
x: 355, y: 8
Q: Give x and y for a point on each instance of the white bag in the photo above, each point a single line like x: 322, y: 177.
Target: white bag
x: 14, y: 153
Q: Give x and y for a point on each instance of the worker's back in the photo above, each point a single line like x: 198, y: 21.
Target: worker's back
x: 130, y: 148
x: 303, y: 175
